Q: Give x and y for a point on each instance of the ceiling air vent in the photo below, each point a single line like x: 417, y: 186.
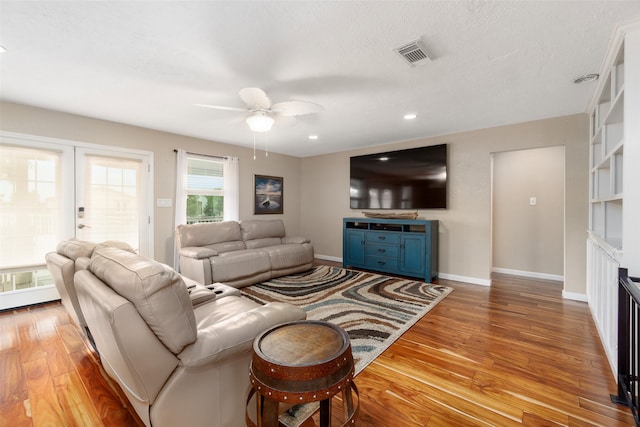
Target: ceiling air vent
x: 414, y: 53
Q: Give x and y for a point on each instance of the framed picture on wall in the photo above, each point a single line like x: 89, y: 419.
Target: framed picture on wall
x: 268, y: 192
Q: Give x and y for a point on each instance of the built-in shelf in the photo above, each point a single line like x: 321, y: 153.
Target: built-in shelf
x: 606, y: 155
x: 614, y: 170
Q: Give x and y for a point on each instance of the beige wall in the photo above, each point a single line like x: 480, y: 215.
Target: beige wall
x: 465, y: 227
x: 529, y: 238
x: 316, y: 188
x: 53, y: 124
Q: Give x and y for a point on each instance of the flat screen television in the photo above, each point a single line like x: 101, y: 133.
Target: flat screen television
x: 405, y: 179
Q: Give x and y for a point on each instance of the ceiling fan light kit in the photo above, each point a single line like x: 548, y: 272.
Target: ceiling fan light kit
x: 260, y: 122
x: 262, y: 114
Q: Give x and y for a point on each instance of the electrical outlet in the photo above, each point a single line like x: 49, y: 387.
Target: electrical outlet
x: 533, y: 201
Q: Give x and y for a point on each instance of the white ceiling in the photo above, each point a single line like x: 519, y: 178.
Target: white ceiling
x: 147, y: 63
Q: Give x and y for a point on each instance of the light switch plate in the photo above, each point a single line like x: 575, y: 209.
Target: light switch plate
x: 533, y: 201
x: 163, y: 203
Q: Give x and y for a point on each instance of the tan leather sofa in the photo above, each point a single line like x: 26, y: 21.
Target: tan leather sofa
x: 240, y: 253
x: 178, y: 364
x: 70, y: 256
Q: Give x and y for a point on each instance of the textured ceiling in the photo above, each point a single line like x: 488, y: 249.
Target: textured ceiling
x: 148, y: 63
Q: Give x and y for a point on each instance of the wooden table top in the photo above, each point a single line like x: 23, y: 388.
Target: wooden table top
x: 302, y: 343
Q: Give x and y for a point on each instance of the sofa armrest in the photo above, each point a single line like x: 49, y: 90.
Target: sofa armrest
x: 197, y: 253
x: 294, y: 239
x: 235, y: 335
x: 198, y: 293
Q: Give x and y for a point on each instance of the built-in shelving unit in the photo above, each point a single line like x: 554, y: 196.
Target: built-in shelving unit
x: 607, y: 153
x: 614, y: 184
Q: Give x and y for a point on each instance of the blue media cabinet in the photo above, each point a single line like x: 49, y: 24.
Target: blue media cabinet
x: 397, y: 246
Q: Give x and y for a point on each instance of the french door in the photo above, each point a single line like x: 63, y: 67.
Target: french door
x: 112, y: 197
x: 51, y: 190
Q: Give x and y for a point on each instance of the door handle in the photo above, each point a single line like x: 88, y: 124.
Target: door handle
x: 81, y: 226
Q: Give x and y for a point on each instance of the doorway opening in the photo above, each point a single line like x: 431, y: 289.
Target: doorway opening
x: 528, y: 213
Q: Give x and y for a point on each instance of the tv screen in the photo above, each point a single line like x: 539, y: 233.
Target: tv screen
x: 406, y: 179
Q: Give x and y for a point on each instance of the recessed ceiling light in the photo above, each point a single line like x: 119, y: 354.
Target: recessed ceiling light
x: 586, y: 78
x: 410, y: 116
x: 313, y: 137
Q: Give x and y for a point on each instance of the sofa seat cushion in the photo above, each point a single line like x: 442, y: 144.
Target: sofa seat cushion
x: 230, y: 266
x: 228, y: 327
x: 158, y: 293
x: 222, y: 247
x: 221, y: 309
x: 286, y: 256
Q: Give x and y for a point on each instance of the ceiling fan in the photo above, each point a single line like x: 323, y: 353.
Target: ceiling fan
x: 262, y: 113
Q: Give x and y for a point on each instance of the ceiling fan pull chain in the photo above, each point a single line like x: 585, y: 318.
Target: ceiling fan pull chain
x: 266, y: 145
x: 254, y: 146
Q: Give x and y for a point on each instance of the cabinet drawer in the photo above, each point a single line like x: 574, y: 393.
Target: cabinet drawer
x: 389, y: 238
x: 382, y: 263
x: 386, y: 251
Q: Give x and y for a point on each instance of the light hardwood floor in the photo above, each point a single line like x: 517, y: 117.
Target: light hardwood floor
x: 513, y: 354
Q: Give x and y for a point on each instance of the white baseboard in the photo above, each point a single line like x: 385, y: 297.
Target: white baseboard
x: 544, y: 276
x: 465, y: 279
x: 329, y: 258
x: 531, y: 274
x: 574, y: 296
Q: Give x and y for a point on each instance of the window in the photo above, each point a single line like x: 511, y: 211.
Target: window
x: 30, y: 204
x: 205, y: 190
x: 32, y: 217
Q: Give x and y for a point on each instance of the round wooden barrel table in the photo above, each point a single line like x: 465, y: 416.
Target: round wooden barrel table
x: 302, y: 362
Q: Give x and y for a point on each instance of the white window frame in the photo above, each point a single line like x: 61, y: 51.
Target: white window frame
x: 230, y: 188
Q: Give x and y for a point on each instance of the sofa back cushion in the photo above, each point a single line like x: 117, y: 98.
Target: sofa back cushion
x: 74, y: 249
x: 207, y: 234
x: 262, y: 229
x: 116, y: 244
x: 263, y: 243
x: 158, y: 293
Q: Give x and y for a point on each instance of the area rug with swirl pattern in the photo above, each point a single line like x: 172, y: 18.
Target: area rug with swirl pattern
x: 375, y: 310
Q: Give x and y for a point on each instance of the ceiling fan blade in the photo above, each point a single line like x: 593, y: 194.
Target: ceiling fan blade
x: 296, y: 108
x: 220, y: 107
x: 285, y: 121
x: 255, y: 98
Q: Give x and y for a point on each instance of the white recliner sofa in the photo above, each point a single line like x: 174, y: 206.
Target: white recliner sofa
x: 178, y: 364
x: 241, y: 253
x: 73, y: 255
